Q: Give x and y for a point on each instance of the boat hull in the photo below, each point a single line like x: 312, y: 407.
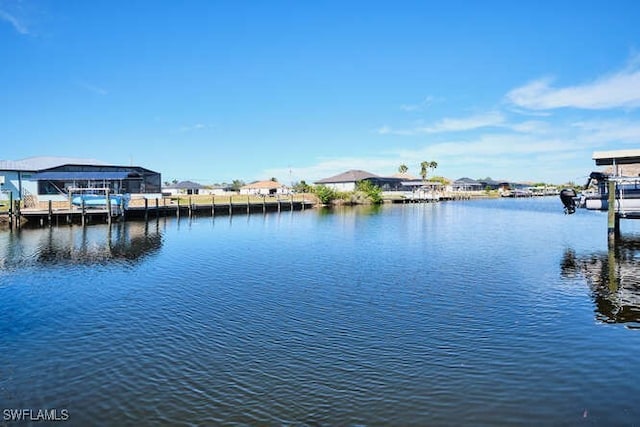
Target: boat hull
x: 627, y: 204
x: 94, y: 200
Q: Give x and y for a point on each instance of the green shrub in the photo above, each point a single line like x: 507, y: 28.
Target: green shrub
x: 325, y: 194
x: 372, y: 192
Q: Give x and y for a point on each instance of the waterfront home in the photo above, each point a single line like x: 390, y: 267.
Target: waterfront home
x: 466, y: 184
x: 216, y: 190
x: 348, y: 180
x: 264, y: 188
x: 41, y: 179
x: 182, y: 187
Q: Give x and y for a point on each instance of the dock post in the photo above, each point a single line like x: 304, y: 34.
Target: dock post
x: 190, y: 206
x: 213, y: 205
x: 18, y: 213
x: 248, y: 203
x: 302, y: 201
x: 146, y: 209
x: 292, y: 203
x: 613, y: 222
x: 108, y: 207
x: 230, y: 205
x: 278, y: 200
x: 11, y: 209
x: 178, y: 209
x: 264, y: 204
x: 157, y: 209
x: 84, y: 212
x: 50, y: 213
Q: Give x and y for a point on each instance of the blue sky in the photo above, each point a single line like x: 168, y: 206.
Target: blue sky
x: 215, y: 90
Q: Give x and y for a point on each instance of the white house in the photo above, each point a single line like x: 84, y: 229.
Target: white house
x: 264, y: 188
x: 183, y: 187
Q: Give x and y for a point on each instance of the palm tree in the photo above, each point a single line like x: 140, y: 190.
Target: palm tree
x: 403, y: 168
x: 424, y: 169
x: 433, y: 165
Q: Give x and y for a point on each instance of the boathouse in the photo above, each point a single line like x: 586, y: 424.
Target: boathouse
x: 40, y: 179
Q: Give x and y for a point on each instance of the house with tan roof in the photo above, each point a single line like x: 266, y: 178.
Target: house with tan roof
x: 264, y: 188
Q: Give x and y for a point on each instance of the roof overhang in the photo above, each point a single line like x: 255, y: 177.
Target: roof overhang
x: 618, y: 157
x: 81, y: 176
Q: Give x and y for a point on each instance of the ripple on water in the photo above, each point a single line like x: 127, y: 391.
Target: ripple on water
x: 411, y: 315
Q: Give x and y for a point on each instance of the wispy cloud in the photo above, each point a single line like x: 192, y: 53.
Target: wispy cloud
x: 17, y: 24
x: 93, y: 88
x: 492, y: 118
x: 529, y: 150
x: 419, y: 106
x: 617, y: 90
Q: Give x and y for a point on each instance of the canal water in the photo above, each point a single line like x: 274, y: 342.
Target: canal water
x: 488, y: 312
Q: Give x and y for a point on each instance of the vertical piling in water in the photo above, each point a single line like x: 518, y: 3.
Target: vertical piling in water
x: 108, y: 196
x: 278, y: 200
x: 264, y: 204
x: 11, y: 209
x: 303, y: 202
x: 190, y: 206
x: 157, y: 209
x: 50, y: 213
x: 84, y: 212
x: 230, y: 205
x: 213, y: 205
x: 248, y: 203
x: 178, y: 209
x: 613, y: 222
x: 146, y: 209
x: 292, y: 202
x: 18, y: 214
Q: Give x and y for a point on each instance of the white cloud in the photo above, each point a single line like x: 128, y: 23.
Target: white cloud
x: 531, y: 126
x: 489, y: 119
x: 419, y: 106
x: 617, y: 90
x: 19, y: 26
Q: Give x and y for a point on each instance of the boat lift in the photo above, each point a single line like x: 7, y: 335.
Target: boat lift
x: 618, y: 194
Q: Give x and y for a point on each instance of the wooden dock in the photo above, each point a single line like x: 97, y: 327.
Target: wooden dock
x: 152, y: 208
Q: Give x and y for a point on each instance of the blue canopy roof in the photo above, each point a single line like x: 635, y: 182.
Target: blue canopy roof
x: 79, y: 176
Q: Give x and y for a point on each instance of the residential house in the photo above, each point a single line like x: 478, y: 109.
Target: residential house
x: 183, y: 187
x: 265, y: 188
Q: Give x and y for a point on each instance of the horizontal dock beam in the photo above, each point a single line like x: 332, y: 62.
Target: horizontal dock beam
x: 50, y: 217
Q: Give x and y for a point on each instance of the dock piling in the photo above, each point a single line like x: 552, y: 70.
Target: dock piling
x: 84, y: 213
x: 50, y: 213
x: 11, y: 209
x: 108, y: 207
x: 613, y: 221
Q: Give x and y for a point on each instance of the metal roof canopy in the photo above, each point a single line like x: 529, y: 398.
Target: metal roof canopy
x: 90, y: 176
x: 618, y: 157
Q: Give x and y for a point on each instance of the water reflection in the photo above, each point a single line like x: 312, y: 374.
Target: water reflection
x: 122, y: 242
x: 614, y: 279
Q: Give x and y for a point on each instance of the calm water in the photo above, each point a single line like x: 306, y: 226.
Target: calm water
x: 493, y: 312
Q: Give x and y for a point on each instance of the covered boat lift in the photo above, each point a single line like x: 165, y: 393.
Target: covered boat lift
x: 617, y: 159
